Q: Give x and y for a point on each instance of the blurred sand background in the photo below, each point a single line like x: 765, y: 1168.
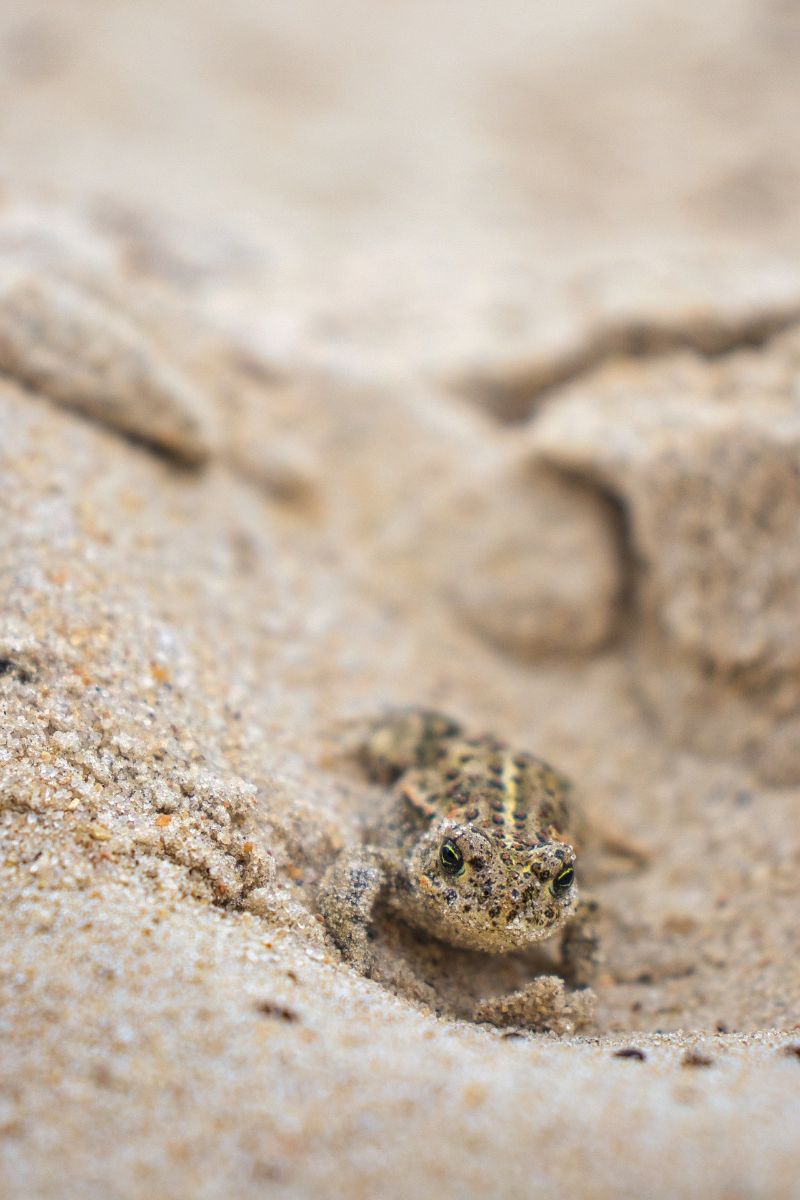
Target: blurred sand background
x: 366, y: 354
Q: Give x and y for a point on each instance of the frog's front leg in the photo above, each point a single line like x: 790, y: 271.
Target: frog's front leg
x: 347, y: 897
x: 544, y: 1003
x: 580, y: 945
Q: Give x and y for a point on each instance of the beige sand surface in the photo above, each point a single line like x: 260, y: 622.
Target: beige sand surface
x: 366, y: 357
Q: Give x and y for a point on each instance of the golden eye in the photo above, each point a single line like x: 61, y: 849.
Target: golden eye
x: 564, y: 881
x: 451, y: 858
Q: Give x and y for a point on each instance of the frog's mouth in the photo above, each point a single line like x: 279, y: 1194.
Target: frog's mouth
x: 517, y: 930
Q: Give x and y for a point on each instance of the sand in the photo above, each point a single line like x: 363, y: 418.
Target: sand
x: 303, y: 414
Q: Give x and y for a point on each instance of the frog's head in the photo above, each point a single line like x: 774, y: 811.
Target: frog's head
x: 477, y: 888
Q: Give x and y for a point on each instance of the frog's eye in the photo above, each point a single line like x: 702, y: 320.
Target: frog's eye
x: 451, y: 858
x: 564, y: 881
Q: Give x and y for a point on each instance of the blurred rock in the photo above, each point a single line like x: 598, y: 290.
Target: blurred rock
x: 533, y: 563
x: 705, y: 458
x: 60, y: 340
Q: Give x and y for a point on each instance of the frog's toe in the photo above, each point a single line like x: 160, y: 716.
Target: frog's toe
x: 543, y: 1004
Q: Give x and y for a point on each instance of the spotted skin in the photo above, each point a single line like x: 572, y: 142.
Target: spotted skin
x: 472, y: 846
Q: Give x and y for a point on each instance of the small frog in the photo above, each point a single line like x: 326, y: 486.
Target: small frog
x: 472, y: 848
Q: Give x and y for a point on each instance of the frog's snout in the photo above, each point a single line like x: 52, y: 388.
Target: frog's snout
x: 550, y: 874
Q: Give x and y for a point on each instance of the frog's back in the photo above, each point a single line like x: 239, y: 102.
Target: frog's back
x: 517, y: 796
x: 481, y: 780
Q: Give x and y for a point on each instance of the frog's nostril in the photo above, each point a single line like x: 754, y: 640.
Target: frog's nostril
x: 530, y: 892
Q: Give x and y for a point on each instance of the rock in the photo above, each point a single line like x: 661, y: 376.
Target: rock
x: 78, y: 351
x: 533, y: 564
x: 705, y: 459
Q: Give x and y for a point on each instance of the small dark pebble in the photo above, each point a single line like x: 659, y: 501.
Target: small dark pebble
x: 695, y: 1058
x: 721, y: 1027
x: 278, y: 1012
x: 9, y: 667
x: 631, y: 1052
x: 792, y: 1050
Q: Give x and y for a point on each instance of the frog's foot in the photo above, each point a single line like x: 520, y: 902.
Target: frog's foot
x: 580, y: 946
x: 402, y: 739
x: 346, y: 900
x: 544, y: 1003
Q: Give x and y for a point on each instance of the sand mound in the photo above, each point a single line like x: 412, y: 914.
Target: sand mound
x: 207, y: 583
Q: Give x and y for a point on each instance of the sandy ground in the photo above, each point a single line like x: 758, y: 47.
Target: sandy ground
x: 368, y: 357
